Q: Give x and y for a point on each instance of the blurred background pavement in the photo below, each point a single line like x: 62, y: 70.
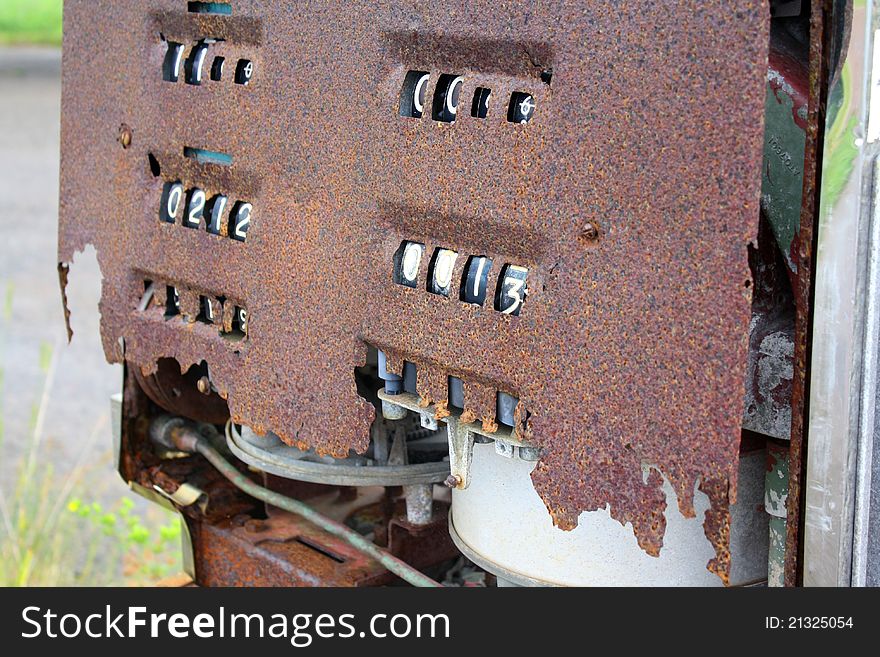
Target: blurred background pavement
x: 65, y: 515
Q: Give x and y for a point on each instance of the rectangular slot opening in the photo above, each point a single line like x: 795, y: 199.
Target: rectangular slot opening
x: 207, y: 157
x: 147, y: 298
x: 222, y: 8
x: 480, y: 104
x: 302, y: 540
x: 239, y: 327
x: 172, y: 302
x: 207, y: 310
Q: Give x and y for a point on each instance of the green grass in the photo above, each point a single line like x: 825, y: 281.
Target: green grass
x: 840, y: 148
x: 52, y: 531
x: 30, y: 22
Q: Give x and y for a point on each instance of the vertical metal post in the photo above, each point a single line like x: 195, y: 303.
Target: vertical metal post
x: 775, y: 497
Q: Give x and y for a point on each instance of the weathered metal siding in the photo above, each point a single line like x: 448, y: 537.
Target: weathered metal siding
x: 631, y: 346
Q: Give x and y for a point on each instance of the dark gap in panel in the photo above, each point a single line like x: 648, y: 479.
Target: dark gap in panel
x: 221, y: 8
x: 207, y: 157
x: 309, y: 543
x: 155, y: 169
x: 172, y: 302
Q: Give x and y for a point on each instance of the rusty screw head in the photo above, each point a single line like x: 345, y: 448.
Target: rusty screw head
x: 124, y: 136
x: 204, y: 385
x: 453, y: 481
x: 591, y: 232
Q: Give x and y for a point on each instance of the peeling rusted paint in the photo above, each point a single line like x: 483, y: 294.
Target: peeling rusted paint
x: 717, y: 525
x: 630, y: 348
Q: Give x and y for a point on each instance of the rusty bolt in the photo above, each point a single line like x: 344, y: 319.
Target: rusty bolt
x: 591, y: 232
x: 453, y: 481
x: 204, y: 385
x: 124, y: 136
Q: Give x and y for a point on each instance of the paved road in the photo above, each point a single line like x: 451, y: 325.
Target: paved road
x: 78, y: 407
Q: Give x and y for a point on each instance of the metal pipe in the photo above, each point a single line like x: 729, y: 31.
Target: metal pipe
x: 775, y: 497
x: 186, y: 439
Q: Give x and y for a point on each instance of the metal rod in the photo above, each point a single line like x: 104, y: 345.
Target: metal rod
x: 419, y: 503
x: 392, y: 563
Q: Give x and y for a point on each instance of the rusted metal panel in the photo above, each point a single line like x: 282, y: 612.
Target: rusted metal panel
x: 279, y: 551
x: 631, y: 197
x: 284, y: 550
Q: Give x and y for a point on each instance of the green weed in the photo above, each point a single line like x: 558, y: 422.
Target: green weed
x: 30, y: 21
x: 48, y: 535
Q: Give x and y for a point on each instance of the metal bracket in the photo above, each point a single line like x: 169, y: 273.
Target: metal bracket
x: 428, y: 421
x: 461, y: 452
x: 461, y: 436
x: 185, y: 495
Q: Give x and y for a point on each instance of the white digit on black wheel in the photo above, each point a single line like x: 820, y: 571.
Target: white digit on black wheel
x: 479, y: 276
x: 172, y: 301
x: 451, y: 99
x: 198, y: 63
x: 241, y: 221
x: 514, y: 288
x: 443, y: 270
x: 218, y: 207
x: 173, y: 61
x: 196, y: 209
x: 173, y: 202
x: 514, y: 293
x: 207, y: 309
x: 412, y: 258
x: 419, y: 93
